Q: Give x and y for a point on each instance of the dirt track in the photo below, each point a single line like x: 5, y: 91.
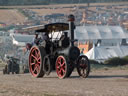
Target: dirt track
x: 99, y: 83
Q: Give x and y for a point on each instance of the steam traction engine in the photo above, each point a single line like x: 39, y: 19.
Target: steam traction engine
x: 57, y: 52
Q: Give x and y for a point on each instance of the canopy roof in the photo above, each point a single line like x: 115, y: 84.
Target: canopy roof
x: 99, y: 32
x: 53, y: 27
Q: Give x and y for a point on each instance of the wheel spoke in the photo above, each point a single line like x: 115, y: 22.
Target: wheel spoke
x: 34, y: 57
x: 39, y: 62
x: 62, y: 64
x: 37, y: 68
x: 32, y: 63
x: 38, y: 58
x: 36, y: 53
x: 63, y: 70
x: 59, y: 61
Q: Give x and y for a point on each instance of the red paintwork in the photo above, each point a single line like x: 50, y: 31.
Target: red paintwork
x: 60, y: 66
x: 34, y: 61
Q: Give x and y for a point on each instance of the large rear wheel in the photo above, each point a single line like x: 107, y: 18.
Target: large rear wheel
x: 62, y: 67
x: 83, y: 66
x: 36, y: 58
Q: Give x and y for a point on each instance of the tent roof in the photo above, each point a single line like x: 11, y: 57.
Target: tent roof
x: 22, y: 39
x: 99, y: 32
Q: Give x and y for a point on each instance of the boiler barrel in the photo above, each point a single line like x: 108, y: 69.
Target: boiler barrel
x: 71, y: 52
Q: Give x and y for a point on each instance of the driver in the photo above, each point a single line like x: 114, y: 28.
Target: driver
x: 45, y: 36
x: 37, y: 39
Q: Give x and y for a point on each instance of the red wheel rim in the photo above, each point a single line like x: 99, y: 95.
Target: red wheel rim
x: 61, y: 66
x: 34, y: 61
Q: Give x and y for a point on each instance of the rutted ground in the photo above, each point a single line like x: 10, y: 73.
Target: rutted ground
x: 99, y: 83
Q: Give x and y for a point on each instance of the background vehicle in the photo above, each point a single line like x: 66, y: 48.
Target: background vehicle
x: 11, y: 66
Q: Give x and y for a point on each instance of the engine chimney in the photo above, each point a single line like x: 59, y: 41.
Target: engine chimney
x: 71, y: 20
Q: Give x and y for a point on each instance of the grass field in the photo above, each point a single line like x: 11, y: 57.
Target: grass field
x: 107, y: 67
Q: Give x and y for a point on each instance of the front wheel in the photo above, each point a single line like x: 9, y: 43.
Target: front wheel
x: 83, y: 66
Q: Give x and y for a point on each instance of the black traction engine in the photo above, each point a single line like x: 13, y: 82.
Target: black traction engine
x: 55, y: 50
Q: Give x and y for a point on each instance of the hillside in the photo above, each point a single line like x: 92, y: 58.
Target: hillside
x: 11, y: 16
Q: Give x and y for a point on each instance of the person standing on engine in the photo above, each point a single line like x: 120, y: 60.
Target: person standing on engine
x: 35, y: 40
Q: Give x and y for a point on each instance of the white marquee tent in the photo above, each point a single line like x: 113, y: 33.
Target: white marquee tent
x: 104, y: 52
x: 110, y: 45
